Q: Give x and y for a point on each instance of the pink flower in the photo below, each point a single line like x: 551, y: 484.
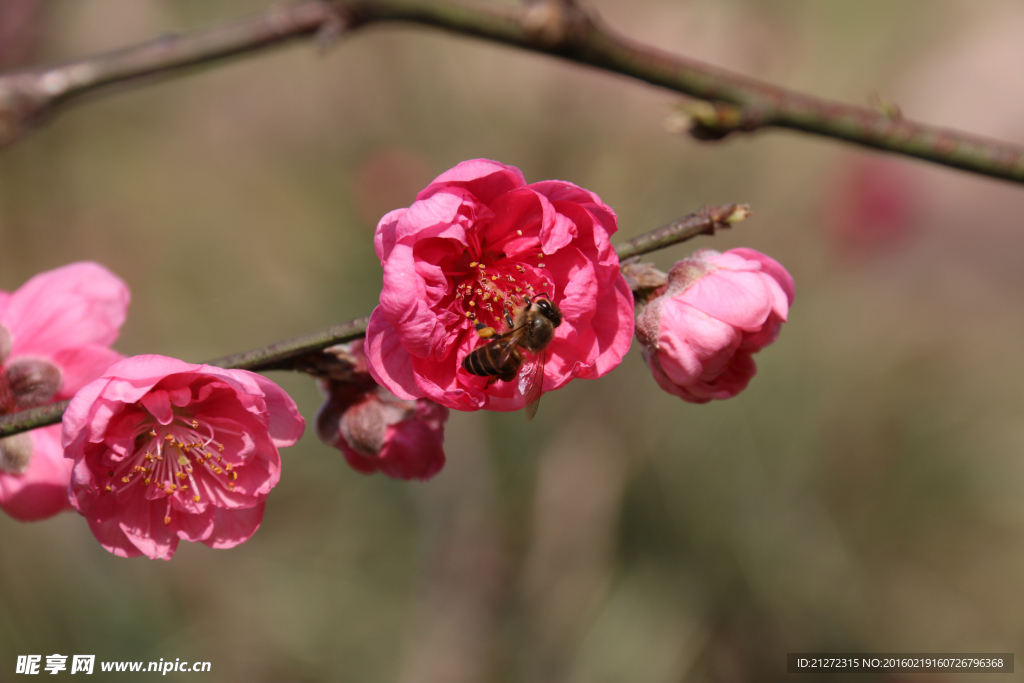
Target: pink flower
x: 473, y: 245
x: 164, y: 450
x: 54, y: 334
x: 376, y: 430
x: 717, y: 310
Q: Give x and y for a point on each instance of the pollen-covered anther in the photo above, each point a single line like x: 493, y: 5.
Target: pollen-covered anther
x: 520, y: 268
x: 519, y: 232
x: 152, y: 432
x: 196, y: 498
x: 167, y: 520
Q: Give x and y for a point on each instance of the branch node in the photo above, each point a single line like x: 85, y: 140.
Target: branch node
x: 555, y: 23
x: 713, y: 120
x: 338, y: 21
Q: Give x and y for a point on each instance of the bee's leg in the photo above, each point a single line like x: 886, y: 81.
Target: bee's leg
x: 508, y: 318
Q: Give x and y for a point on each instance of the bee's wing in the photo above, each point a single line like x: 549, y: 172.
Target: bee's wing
x: 531, y: 382
x: 509, y: 342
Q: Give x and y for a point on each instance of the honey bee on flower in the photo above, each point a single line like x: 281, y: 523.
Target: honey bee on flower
x: 475, y: 248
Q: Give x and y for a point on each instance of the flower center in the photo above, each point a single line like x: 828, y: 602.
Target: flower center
x: 490, y: 292
x: 172, y: 460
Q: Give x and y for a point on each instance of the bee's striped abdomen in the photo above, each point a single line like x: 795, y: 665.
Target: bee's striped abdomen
x: 484, y: 362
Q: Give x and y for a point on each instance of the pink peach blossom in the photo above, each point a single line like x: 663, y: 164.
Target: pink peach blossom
x: 475, y: 243
x: 374, y: 429
x: 54, y: 334
x: 716, y: 311
x: 164, y: 450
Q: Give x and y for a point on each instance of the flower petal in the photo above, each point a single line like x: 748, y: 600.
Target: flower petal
x: 231, y: 527
x: 738, y: 298
x: 389, y: 364
x: 81, y: 365
x: 79, y: 304
x: 486, y: 179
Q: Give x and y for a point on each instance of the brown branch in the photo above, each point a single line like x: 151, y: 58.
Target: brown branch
x: 732, y: 102
x: 304, y: 353
x: 704, y: 222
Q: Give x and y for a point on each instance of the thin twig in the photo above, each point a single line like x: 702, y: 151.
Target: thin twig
x: 733, y: 103
x: 704, y: 222
x: 276, y: 356
x: 295, y: 354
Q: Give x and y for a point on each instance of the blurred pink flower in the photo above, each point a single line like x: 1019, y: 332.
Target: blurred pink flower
x: 476, y: 241
x: 715, y: 312
x: 164, y: 450
x: 871, y: 206
x: 54, y: 334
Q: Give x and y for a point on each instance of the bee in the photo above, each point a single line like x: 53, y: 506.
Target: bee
x: 502, y: 357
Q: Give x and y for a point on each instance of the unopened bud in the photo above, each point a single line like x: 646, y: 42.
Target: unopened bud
x: 32, y: 381
x: 375, y: 430
x: 698, y: 340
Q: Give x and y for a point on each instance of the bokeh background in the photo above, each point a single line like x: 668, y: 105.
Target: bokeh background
x: 864, y: 494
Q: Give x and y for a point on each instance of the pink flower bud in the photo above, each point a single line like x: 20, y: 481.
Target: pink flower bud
x: 716, y: 311
x: 376, y: 430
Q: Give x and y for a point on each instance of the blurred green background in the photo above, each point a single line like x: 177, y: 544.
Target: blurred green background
x: 864, y: 494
